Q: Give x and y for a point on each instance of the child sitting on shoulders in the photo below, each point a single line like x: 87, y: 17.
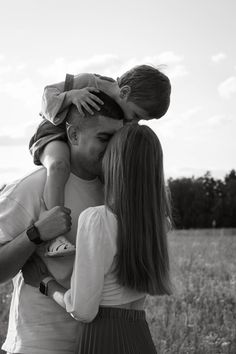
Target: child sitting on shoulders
x: 142, y: 92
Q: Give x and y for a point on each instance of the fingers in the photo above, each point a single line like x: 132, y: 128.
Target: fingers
x: 94, y: 89
x: 87, y: 108
x: 93, y: 104
x: 67, y: 219
x: 66, y: 210
x: 88, y: 101
x: 94, y: 97
x: 80, y: 110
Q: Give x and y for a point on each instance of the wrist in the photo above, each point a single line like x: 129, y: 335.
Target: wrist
x: 33, y: 234
x: 68, y: 98
x: 44, y: 285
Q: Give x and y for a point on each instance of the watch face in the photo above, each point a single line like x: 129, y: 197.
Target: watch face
x: 34, y: 235
x: 43, y: 288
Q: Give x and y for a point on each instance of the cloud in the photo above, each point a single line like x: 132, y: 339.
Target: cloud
x: 218, y: 120
x: 227, y: 88
x: 169, y: 57
x: 6, y: 140
x: 112, y: 65
x: 5, y: 69
x: 177, y: 71
x: 60, y: 66
x: 218, y: 57
x: 190, y: 113
x: 24, y: 90
x: 176, y: 123
x: 9, y: 169
x: 170, y: 63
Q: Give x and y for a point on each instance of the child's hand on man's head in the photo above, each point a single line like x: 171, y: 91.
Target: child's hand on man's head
x: 84, y: 99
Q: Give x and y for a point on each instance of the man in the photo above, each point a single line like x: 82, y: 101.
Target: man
x: 36, y: 324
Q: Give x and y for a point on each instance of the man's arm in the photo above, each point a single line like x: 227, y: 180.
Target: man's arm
x: 34, y: 271
x: 15, y: 253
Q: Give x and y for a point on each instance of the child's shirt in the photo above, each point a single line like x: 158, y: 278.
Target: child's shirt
x: 54, y: 95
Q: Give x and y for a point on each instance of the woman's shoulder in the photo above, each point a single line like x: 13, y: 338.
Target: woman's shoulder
x: 99, y: 212
x: 101, y: 219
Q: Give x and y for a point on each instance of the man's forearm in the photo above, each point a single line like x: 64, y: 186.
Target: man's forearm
x: 13, y: 256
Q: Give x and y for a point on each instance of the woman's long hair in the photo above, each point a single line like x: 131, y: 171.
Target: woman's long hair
x: 135, y: 191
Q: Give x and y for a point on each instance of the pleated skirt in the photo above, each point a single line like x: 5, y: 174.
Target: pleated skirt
x: 115, y: 331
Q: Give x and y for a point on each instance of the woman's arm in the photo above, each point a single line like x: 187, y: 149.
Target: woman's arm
x: 94, y: 256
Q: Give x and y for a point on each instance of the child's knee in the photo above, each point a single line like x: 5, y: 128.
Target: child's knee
x: 59, y: 166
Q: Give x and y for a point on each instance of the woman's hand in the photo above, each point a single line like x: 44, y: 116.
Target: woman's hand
x: 84, y: 98
x: 34, y: 270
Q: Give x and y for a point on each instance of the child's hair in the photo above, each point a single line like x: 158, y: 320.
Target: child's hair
x: 150, y: 89
x: 135, y: 191
x: 109, y: 109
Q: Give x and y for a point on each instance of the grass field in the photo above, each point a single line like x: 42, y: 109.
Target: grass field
x: 200, y: 317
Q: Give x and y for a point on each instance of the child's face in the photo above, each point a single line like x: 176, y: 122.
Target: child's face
x: 133, y: 112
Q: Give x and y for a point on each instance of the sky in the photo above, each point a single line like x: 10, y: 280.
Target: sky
x: 192, y: 41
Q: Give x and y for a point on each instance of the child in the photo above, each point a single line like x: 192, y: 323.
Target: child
x: 142, y: 92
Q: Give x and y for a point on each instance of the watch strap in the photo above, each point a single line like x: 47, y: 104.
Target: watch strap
x: 34, y: 235
x: 43, y: 287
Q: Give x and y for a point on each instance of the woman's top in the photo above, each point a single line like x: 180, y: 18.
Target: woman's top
x: 93, y: 282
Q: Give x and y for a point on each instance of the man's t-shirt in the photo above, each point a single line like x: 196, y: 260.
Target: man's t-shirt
x: 37, y: 325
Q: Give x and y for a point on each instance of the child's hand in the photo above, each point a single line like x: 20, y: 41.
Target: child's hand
x: 84, y: 98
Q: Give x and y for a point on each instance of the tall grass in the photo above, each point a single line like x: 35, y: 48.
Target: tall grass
x: 200, y: 317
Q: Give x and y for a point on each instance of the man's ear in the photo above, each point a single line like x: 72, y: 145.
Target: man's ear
x: 125, y: 92
x: 72, y: 134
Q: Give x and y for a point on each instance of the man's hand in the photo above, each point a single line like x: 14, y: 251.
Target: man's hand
x: 34, y: 270
x: 54, y: 222
x: 84, y: 98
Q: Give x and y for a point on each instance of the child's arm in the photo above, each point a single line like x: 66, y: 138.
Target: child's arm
x: 56, y: 158
x: 57, y: 98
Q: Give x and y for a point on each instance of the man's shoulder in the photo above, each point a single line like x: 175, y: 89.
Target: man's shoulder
x: 31, y: 184
x: 20, y: 204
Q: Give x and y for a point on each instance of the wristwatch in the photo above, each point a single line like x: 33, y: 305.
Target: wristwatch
x: 43, y: 287
x: 34, y: 235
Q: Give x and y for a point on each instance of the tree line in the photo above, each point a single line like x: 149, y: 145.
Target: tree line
x: 204, y: 202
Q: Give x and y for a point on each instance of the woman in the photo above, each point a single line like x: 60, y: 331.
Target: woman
x: 121, y: 249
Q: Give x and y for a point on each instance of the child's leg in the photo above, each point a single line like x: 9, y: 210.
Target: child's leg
x: 56, y: 158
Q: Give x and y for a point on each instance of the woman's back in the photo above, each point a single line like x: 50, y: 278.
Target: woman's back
x: 96, y: 246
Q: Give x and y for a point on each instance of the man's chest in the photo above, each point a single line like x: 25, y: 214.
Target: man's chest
x: 78, y: 199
